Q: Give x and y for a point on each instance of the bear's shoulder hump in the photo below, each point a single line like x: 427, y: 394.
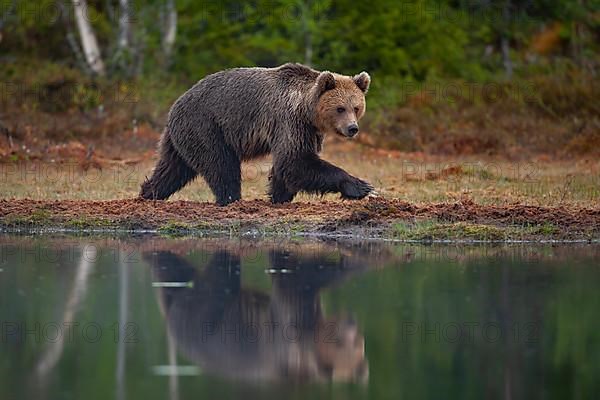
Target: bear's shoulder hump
x: 296, y: 70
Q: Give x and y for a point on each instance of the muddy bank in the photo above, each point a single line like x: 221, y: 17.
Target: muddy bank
x: 375, y: 217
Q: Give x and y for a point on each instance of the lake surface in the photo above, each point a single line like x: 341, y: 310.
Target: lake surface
x: 147, y: 317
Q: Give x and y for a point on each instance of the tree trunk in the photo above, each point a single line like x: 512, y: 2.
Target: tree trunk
x: 308, y: 46
x: 505, y: 40
x: 7, y: 13
x: 508, y: 67
x: 54, y: 352
x: 88, y: 38
x: 123, y: 324
x: 170, y: 30
x: 124, y: 25
x: 308, y: 49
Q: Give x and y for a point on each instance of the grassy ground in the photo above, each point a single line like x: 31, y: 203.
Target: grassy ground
x: 419, y: 197
x: 408, y: 176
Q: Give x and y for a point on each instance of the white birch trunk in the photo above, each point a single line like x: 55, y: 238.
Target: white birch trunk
x: 88, y: 38
x: 123, y: 321
x: 124, y: 25
x: 308, y: 47
x: 78, y: 291
x: 170, y: 31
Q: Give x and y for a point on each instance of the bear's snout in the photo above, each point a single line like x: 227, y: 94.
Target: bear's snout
x: 352, y: 130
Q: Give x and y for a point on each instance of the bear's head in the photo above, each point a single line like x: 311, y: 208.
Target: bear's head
x: 340, y: 350
x: 340, y: 102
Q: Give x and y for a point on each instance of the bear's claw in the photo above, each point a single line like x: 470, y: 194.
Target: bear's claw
x: 356, y: 189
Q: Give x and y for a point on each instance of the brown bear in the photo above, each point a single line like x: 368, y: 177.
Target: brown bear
x: 243, y: 113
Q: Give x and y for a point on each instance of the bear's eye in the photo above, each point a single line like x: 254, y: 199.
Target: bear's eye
x: 341, y: 110
x: 355, y: 110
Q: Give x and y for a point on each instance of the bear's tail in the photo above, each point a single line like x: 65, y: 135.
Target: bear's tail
x: 170, y: 174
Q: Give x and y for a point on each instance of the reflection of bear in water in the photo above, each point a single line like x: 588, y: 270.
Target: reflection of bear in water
x: 243, y: 334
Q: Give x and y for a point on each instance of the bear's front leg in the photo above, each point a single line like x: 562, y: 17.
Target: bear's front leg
x: 278, y: 190
x: 311, y: 174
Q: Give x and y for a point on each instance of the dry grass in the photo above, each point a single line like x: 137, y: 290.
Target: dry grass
x: 409, y: 176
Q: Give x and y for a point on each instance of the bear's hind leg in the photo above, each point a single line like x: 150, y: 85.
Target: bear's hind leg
x: 170, y: 174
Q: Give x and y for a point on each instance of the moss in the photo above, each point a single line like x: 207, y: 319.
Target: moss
x: 546, y: 229
x: 38, y: 218
x: 433, y: 230
x: 284, y: 228
x: 175, y: 228
x: 208, y: 227
x: 16, y: 222
x: 88, y: 223
x: 231, y: 228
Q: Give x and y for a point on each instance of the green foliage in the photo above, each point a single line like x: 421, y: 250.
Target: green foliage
x: 400, y: 43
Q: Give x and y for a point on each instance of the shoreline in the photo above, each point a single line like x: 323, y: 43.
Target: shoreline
x: 374, y: 218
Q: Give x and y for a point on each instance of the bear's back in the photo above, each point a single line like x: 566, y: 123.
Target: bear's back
x: 247, y: 106
x: 244, y: 86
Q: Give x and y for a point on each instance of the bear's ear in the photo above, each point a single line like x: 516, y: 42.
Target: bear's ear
x: 325, y: 82
x: 363, y: 80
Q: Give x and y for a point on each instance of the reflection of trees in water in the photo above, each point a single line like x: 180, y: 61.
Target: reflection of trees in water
x: 541, y: 308
x: 233, y: 331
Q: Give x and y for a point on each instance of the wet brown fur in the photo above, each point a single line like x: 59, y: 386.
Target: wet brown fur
x: 244, y: 113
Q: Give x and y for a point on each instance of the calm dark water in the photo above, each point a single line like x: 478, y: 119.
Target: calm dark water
x: 145, y: 318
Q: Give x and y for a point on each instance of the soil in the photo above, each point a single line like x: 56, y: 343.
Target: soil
x: 376, y: 216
